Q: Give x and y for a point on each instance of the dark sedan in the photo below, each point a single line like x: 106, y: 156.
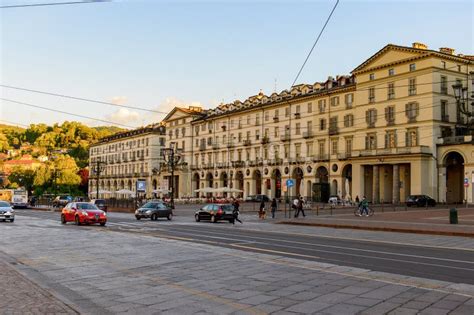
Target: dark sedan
x: 257, y: 198
x: 420, y: 201
x: 153, y: 211
x: 215, y: 212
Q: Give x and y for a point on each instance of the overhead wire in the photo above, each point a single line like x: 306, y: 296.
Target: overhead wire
x: 52, y: 4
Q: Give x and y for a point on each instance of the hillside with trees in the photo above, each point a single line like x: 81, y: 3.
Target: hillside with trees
x: 65, y: 146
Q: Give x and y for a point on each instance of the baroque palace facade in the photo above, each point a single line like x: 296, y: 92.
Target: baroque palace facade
x: 390, y: 129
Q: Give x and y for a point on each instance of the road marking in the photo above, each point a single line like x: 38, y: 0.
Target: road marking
x: 337, y: 247
x: 273, y: 251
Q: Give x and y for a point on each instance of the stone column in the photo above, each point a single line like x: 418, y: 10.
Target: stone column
x: 396, y: 184
x: 376, y: 185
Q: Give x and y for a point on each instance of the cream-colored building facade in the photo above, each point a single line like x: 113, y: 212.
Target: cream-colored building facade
x: 390, y: 129
x: 127, y: 157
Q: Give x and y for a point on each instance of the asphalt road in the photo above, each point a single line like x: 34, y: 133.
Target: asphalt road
x: 438, y: 263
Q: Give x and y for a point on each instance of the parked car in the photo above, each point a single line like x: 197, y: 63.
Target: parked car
x: 215, y: 212
x: 81, y: 199
x: 100, y: 203
x: 154, y: 210
x: 335, y: 200
x: 83, y: 213
x: 257, y: 198
x: 61, y: 201
x: 420, y: 201
x: 6, y: 212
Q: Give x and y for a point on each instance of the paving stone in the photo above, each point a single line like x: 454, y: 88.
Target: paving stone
x: 463, y: 310
x: 332, y: 298
x: 307, y: 307
x: 343, y: 309
x: 447, y: 304
x: 433, y: 311
x: 356, y: 290
x: 257, y: 299
x: 284, y: 302
x: 380, y: 308
x: 403, y: 311
x: 363, y: 301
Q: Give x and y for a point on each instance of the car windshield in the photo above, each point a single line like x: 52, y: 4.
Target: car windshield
x: 150, y: 205
x: 86, y: 206
x: 4, y: 204
x: 228, y: 207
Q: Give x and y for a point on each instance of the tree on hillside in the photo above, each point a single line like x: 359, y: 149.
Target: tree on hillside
x: 22, y: 178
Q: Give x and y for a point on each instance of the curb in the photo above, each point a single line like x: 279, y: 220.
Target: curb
x: 383, y: 229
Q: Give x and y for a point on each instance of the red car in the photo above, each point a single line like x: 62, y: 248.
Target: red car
x: 83, y: 213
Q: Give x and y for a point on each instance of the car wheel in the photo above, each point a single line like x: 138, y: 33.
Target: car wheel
x: 102, y: 223
x: 170, y: 216
x: 154, y: 217
x: 63, y: 219
x: 197, y: 218
x: 78, y: 222
x: 213, y: 219
x: 12, y: 220
x: 138, y: 218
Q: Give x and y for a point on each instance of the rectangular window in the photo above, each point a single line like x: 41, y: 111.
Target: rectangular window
x: 443, y: 64
x: 390, y: 139
x: 309, y: 149
x: 309, y: 126
x: 298, y: 150
x: 335, y: 101
x: 249, y: 119
x: 411, y: 137
x: 371, y: 141
x: 266, y: 133
x: 248, y: 135
x: 334, y: 147
x: 310, y: 108
x: 287, y: 151
x: 322, y: 148
x: 257, y: 119
x: 298, y: 129
x: 267, y: 116
x: 391, y: 72
x: 231, y: 124
x: 411, y: 111
x: 257, y: 135
x: 444, y: 85
x: 276, y: 114
x: 348, y: 145
x: 322, y: 124
x: 239, y: 137
x: 298, y: 109
x: 412, y: 67
x: 333, y: 125
x: 459, y: 68
x: 287, y: 112
x: 390, y: 115
x: 322, y: 106
x: 239, y: 125
x: 412, y: 86
x: 372, y: 76
x: 371, y: 117
x: 349, y: 99
x: 349, y: 120
x: 391, y: 91
x: 372, y: 95
x: 444, y: 111
x: 276, y: 132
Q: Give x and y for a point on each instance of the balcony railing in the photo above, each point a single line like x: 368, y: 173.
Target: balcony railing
x: 247, y: 142
x: 265, y: 140
x: 308, y: 134
x: 202, y: 147
x: 276, y: 119
x: 321, y: 157
x: 333, y: 131
x: 221, y: 165
x: 230, y: 145
x: 456, y: 140
x: 344, y: 156
x: 238, y: 163
x: 215, y: 146
x: 285, y: 138
x: 420, y: 149
x: 300, y: 159
x: 297, y: 115
x: 445, y: 118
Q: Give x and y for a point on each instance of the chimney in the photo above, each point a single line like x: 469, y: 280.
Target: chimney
x: 446, y: 50
x: 419, y: 45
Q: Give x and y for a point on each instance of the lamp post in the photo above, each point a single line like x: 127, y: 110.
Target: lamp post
x: 172, y: 156
x: 98, y: 168
x: 462, y: 100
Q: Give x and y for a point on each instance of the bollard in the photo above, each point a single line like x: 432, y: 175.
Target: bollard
x: 453, y: 216
x: 317, y: 210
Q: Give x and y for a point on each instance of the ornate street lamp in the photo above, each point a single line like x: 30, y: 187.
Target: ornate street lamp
x: 172, y: 156
x: 97, y: 169
x: 462, y: 101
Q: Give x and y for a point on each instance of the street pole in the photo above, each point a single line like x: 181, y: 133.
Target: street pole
x: 172, y: 179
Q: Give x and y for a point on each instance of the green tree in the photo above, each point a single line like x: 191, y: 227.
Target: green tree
x: 22, y: 178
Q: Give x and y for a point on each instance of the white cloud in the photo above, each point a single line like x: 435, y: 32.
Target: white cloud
x: 124, y: 116
x: 119, y: 100
x: 167, y: 105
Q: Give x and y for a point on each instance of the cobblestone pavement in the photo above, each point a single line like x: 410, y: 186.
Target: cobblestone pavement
x: 102, y: 272
x: 21, y: 296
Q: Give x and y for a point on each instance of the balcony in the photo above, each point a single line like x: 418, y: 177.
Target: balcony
x: 300, y: 160
x: 215, y: 146
x: 320, y: 158
x: 333, y: 131
x: 455, y: 140
x: 276, y: 119
x: 308, y: 134
x: 344, y: 156
x: 238, y: 164
x: 230, y: 145
x: 265, y: 140
x: 208, y: 166
x: 247, y: 142
x: 297, y: 115
x: 285, y: 138
x: 221, y: 165
x: 421, y: 149
x: 202, y: 147
x: 445, y: 118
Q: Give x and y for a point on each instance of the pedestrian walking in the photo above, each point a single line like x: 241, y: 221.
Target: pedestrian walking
x: 235, y: 211
x: 299, y: 208
x: 274, y: 206
x: 364, y: 207
x: 261, y: 210
x: 357, y: 200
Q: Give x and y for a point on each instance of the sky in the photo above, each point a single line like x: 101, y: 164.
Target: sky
x: 155, y: 54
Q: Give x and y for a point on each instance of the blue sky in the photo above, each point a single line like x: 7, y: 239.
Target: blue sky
x: 158, y: 54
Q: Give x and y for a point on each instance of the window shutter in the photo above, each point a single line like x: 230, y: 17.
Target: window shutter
x: 395, y: 139
x: 407, y: 109
x: 386, y: 141
x: 367, y: 118
x: 407, y: 144
x: 417, y: 109
x: 387, y: 113
x: 366, y: 142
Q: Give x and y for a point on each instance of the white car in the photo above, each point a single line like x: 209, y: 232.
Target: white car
x: 6, y: 212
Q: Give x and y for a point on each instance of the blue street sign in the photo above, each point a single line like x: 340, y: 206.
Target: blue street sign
x: 466, y: 180
x: 290, y: 183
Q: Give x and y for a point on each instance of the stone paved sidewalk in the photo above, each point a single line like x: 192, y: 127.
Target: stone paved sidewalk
x: 21, y: 296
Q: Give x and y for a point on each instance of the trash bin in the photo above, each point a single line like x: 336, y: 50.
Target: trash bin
x: 453, y: 216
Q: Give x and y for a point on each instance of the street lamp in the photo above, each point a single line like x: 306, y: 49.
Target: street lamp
x: 98, y: 168
x: 462, y: 101
x: 172, y: 156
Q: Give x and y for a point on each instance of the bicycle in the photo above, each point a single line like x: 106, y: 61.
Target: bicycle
x: 358, y: 212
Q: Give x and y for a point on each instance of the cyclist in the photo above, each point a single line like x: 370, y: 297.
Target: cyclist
x: 364, y: 207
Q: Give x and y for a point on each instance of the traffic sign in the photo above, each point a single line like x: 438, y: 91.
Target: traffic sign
x: 290, y: 183
x: 466, y: 182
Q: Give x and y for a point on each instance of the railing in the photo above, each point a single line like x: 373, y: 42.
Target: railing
x: 265, y: 140
x: 285, y: 138
x: 321, y: 157
x: 333, y: 131
x: 238, y: 163
x: 202, y: 147
x: 445, y: 118
x: 276, y: 119
x: 215, y: 146
x: 247, y: 142
x: 297, y: 115
x: 230, y: 145
x: 456, y: 140
x: 307, y: 134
